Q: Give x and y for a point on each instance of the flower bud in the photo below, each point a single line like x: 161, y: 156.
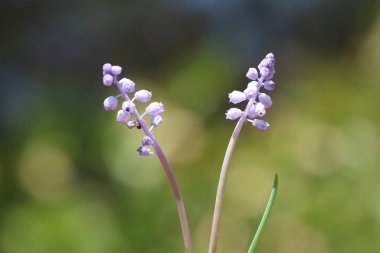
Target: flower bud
x: 128, y: 106
x: 154, y: 109
x: 127, y: 85
x: 233, y: 113
x: 131, y: 124
x: 144, y: 151
x: 264, y: 72
x: 123, y: 116
x: 237, y: 97
x: 116, y: 70
x: 107, y: 80
x: 269, y: 85
x: 265, y: 100
x: 107, y: 67
x: 252, y: 74
x: 251, y: 91
x: 143, y: 96
x: 110, y: 103
x: 270, y: 55
x: 264, y: 63
x: 260, y: 124
x: 260, y: 109
x: 253, y: 83
x: 156, y: 120
x: 146, y: 141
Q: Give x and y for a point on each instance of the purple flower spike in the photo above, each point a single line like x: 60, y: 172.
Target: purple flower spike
x: 237, y: 97
x: 154, y: 109
x: 260, y: 124
x: 252, y: 74
x: 116, y: 70
x: 144, y: 151
x: 107, y: 80
x: 143, y: 96
x: 110, y: 103
x: 233, y: 113
x: 147, y: 141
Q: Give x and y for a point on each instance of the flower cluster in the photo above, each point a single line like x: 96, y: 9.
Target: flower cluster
x: 258, y: 101
x: 128, y: 108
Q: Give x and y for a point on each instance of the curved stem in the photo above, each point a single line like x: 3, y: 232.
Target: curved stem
x: 223, y: 176
x: 170, y: 175
x: 264, y: 219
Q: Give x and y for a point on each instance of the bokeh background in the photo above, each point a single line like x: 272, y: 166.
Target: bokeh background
x: 72, y: 181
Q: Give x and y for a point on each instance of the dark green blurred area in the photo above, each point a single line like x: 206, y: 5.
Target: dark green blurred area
x: 72, y: 181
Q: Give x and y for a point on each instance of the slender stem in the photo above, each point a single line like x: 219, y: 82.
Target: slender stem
x: 170, y: 175
x: 224, y: 173
x: 264, y: 219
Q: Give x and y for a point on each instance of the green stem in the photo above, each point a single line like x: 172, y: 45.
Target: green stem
x: 264, y: 219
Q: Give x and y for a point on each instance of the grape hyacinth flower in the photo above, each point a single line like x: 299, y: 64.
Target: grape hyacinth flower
x: 258, y: 103
x: 154, y: 110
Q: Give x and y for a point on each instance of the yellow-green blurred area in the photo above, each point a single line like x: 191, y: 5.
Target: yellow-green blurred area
x: 72, y: 181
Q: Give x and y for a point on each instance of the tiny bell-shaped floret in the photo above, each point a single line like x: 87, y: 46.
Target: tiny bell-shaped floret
x: 110, y: 103
x: 237, y: 97
x: 131, y: 124
x: 265, y: 100
x: 270, y: 56
x: 260, y: 124
x: 123, y: 116
x: 154, y: 109
x: 146, y: 141
x: 107, y: 67
x: 252, y: 74
x: 107, y: 80
x: 269, y: 85
x: 233, y: 113
x: 253, y: 83
x: 143, y: 96
x: 144, y: 151
x: 264, y: 72
x: 127, y: 85
x: 128, y: 106
x: 156, y: 120
x: 251, y: 91
x: 260, y: 110
x: 116, y: 70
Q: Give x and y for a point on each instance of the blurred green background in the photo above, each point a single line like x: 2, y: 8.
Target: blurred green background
x: 72, y: 181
